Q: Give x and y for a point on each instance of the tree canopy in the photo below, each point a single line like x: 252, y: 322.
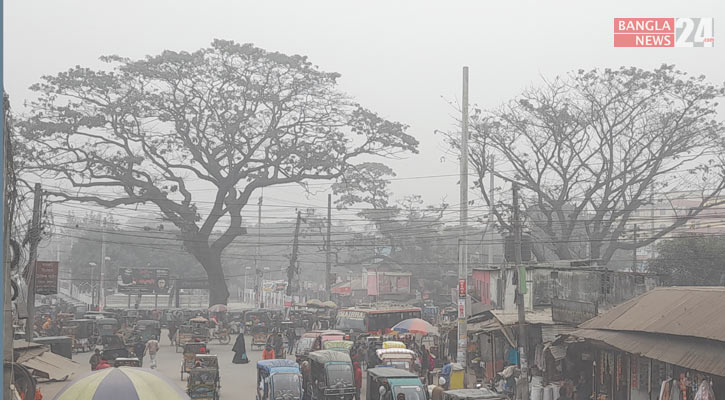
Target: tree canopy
x: 591, y: 147
x: 697, y: 260
x: 231, y: 116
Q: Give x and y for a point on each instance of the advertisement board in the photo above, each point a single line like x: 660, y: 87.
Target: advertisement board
x: 143, y: 280
x: 46, y: 277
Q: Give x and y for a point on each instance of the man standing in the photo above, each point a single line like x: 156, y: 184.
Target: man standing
x: 278, y: 344
x: 152, y: 346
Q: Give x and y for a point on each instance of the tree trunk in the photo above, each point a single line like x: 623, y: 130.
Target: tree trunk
x: 212, y: 263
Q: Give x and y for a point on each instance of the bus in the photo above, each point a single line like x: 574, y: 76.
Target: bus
x: 373, y: 321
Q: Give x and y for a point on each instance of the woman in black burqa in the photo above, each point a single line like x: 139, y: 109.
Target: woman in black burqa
x: 240, y: 350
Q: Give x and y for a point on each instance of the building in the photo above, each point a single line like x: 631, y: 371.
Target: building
x: 670, y: 335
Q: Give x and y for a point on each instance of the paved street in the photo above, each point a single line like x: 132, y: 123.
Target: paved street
x: 238, y: 381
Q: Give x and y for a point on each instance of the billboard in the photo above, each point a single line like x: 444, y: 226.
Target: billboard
x: 46, y: 277
x: 143, y: 280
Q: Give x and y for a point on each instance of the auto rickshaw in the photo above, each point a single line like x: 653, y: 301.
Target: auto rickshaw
x: 113, y: 347
x: 397, y: 358
x: 81, y: 331
x: 338, y: 345
x: 126, y: 362
x: 472, y: 394
x: 388, y: 383
x: 331, y: 376
x: 105, y: 327
x: 203, y: 383
x: 326, y: 336
x: 303, y: 348
x: 191, y: 349
x: 148, y: 329
x: 278, y: 380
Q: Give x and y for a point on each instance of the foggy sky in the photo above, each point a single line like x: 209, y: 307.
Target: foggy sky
x: 402, y: 59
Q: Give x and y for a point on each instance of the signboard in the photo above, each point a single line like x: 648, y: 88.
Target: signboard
x: 143, y: 280
x: 462, y: 288
x: 274, y: 286
x: 46, y: 277
x: 572, y: 312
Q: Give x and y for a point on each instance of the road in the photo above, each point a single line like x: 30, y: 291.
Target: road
x: 238, y: 381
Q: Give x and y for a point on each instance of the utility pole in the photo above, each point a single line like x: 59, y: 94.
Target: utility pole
x: 101, y: 279
x: 463, y: 245
x: 490, y: 215
x: 634, y: 250
x: 258, y: 293
x: 293, y: 263
x: 34, y: 240
x: 328, y: 255
x: 7, y: 316
x: 521, y: 279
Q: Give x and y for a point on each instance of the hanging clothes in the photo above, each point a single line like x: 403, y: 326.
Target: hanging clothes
x: 705, y: 391
x: 665, y: 389
x: 675, y: 391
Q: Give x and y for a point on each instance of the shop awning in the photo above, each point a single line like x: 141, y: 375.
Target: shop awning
x: 698, y: 354
x: 42, y: 362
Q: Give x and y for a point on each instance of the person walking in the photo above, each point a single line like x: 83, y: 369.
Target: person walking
x: 278, y: 344
x: 172, y: 332
x: 268, y: 353
x: 139, y: 348
x: 152, y: 347
x: 95, y: 359
x: 240, y: 350
x: 291, y: 338
x: 358, y: 380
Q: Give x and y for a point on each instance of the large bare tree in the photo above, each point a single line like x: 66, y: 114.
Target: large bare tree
x: 233, y: 117
x: 590, y: 148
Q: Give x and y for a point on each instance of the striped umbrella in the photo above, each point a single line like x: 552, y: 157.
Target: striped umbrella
x: 123, y: 383
x: 415, y: 325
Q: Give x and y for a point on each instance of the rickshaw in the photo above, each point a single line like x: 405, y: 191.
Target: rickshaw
x: 260, y: 336
x: 203, y: 383
x: 113, y: 347
x: 184, y: 335
x: 278, y: 380
x: 393, y: 344
x: 105, y: 327
x: 190, y: 351
x: 382, y: 380
x: 331, y: 376
x: 200, y: 328
x: 81, y: 331
x: 472, y: 394
x: 338, y: 345
x: 397, y: 358
x: 126, y: 362
x: 148, y: 329
x: 208, y: 361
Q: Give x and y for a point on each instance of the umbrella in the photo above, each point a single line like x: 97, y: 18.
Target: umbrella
x: 121, y: 384
x: 314, y: 303
x: 218, y: 308
x: 415, y: 325
x: 329, y: 304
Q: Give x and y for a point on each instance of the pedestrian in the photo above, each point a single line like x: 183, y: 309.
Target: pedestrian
x: 240, y: 350
x: 268, y: 353
x: 152, y: 347
x: 358, y: 380
x: 424, y: 363
x: 291, y: 338
x: 278, y: 345
x: 95, y: 359
x: 172, y: 332
x: 437, y: 392
x: 139, y: 348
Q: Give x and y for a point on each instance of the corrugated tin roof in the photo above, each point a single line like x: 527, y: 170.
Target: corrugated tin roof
x: 683, y: 311
x: 702, y: 355
x: 47, y: 365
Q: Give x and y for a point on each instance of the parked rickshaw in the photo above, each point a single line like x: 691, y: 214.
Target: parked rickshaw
x: 397, y: 358
x: 190, y: 351
x: 278, y: 380
x: 382, y: 380
x: 148, y: 329
x: 472, y: 394
x: 331, y: 376
x: 126, y: 362
x: 203, y: 383
x: 338, y: 345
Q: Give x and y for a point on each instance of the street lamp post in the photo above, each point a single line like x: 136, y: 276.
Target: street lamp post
x: 246, y: 275
x: 93, y: 278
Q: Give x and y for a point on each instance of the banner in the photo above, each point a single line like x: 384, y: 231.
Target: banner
x: 143, y: 280
x: 46, y: 277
